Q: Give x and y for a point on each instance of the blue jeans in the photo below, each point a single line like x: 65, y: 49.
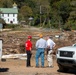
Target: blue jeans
x: 40, y: 53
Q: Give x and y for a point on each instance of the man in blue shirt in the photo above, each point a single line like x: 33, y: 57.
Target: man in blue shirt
x: 40, y: 46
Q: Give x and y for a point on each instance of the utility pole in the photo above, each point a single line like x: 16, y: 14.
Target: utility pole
x: 1, y: 24
x: 40, y: 15
x: 0, y: 13
x: 59, y: 25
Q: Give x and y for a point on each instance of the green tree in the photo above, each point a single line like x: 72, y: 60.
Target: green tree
x: 26, y: 11
x: 42, y: 9
x: 72, y: 18
x: 20, y: 3
x: 6, y: 3
x: 63, y: 8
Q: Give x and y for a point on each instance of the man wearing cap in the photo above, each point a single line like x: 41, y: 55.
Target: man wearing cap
x: 28, y: 47
x: 40, y: 46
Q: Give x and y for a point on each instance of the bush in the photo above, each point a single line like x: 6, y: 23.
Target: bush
x: 10, y: 26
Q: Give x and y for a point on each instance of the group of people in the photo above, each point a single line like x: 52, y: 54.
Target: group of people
x: 42, y: 45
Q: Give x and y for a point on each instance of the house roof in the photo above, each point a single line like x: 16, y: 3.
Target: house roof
x: 9, y: 10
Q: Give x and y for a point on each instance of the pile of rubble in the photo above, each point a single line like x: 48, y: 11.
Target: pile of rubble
x: 13, y: 41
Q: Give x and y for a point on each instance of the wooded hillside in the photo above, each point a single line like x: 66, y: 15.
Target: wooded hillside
x: 46, y: 13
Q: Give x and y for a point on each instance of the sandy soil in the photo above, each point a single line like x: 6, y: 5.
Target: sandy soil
x: 18, y: 67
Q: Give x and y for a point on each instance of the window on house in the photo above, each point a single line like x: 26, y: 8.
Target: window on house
x: 13, y: 20
x: 2, y: 15
x: 8, y: 20
x: 8, y: 15
x: 13, y: 15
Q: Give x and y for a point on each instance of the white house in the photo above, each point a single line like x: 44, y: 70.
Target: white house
x: 10, y: 15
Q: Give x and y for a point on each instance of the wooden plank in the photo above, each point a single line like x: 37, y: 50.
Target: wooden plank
x: 19, y: 56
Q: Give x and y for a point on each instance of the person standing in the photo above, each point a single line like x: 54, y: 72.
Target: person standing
x: 40, y: 46
x: 50, y: 45
x: 28, y: 48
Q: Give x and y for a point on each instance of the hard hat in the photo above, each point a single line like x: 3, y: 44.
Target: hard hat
x: 40, y: 35
x: 29, y: 37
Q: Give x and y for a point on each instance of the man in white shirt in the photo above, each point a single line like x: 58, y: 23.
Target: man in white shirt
x: 50, y: 45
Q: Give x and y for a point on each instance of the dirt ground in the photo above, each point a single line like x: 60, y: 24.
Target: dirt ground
x: 18, y: 67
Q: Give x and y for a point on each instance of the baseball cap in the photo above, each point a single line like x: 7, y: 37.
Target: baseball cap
x: 40, y: 35
x: 29, y: 37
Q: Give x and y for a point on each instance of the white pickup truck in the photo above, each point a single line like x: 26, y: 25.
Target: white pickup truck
x: 66, y: 58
